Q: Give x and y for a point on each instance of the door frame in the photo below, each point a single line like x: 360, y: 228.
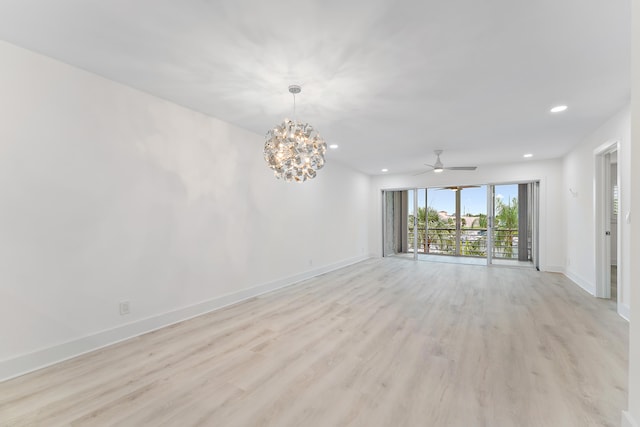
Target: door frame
x: 491, y: 210
x: 534, y: 200
x: 602, y: 215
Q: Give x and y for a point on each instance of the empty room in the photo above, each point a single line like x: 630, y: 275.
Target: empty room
x: 319, y: 213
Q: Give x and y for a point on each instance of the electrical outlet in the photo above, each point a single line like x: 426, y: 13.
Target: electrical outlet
x: 124, y: 308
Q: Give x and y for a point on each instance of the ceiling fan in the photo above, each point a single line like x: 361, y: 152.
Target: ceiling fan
x: 439, y: 167
x: 458, y: 187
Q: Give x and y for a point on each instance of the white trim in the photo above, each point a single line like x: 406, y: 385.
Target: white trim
x: 583, y: 283
x: 384, y: 222
x: 627, y: 420
x: 415, y: 222
x: 553, y: 269
x: 624, y: 311
x: 491, y: 193
x: 26, y: 363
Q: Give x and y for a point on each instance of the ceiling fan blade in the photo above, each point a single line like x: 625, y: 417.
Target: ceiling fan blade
x: 459, y: 187
x: 431, y: 166
x: 462, y: 168
x: 420, y: 173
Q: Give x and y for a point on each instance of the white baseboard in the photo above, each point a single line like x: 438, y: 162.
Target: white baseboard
x: 627, y: 420
x: 552, y: 269
x: 584, y: 284
x: 26, y: 363
x: 624, y: 311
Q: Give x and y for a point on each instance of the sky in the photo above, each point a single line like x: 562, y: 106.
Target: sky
x: 473, y: 201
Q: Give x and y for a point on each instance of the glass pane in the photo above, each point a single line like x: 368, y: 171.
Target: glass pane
x: 505, y: 231
x: 410, y: 221
x: 441, y: 221
x: 422, y: 217
x: 473, y: 221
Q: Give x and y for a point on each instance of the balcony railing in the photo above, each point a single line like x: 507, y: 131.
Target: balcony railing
x: 473, y: 242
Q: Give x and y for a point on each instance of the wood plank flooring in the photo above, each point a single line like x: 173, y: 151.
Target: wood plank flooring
x: 386, y: 342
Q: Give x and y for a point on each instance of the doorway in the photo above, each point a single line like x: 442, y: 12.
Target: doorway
x: 606, y: 218
x: 614, y: 200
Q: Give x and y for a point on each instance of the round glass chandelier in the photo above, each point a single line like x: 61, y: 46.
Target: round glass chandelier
x: 294, y: 150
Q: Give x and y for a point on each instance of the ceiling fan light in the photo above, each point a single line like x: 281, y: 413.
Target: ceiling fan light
x: 438, y: 169
x: 558, y: 109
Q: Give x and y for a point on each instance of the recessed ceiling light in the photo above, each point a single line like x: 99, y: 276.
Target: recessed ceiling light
x: 558, y: 109
x: 526, y: 156
x: 333, y: 146
x: 385, y: 170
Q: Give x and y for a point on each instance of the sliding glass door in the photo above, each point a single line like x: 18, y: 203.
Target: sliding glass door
x: 505, y: 233
x: 513, y: 224
x: 457, y: 221
x: 496, y: 222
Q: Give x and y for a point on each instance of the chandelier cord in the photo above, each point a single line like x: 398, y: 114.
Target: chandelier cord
x: 294, y: 105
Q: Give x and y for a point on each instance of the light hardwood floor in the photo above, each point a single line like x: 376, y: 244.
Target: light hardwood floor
x: 386, y: 342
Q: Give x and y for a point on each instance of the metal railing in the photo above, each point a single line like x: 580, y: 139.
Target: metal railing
x: 473, y: 242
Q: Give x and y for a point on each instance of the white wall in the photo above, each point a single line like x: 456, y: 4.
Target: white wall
x: 551, y: 209
x: 579, y: 175
x: 633, y: 416
x: 108, y: 194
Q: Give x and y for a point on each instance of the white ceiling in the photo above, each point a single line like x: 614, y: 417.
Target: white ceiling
x: 388, y: 80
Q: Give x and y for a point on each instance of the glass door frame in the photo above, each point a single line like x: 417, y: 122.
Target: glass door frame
x: 534, y: 209
x: 491, y: 197
x: 415, y: 223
